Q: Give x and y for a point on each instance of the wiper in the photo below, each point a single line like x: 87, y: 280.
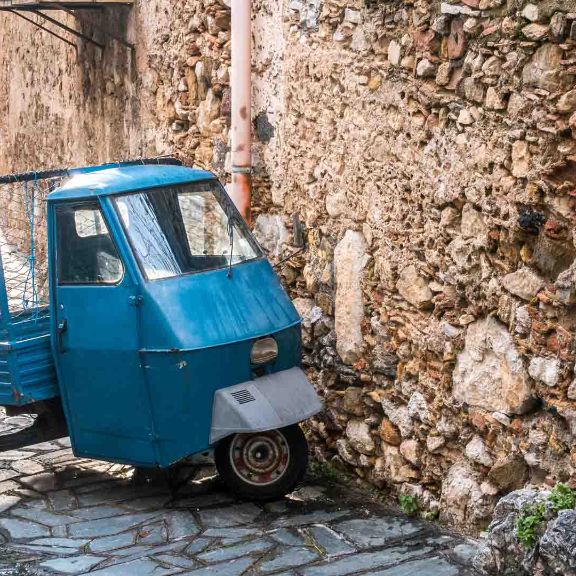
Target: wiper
x: 230, y: 227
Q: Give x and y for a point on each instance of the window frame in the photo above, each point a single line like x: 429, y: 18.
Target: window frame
x: 134, y: 254
x: 85, y: 204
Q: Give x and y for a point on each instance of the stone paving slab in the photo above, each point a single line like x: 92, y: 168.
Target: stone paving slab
x: 68, y: 516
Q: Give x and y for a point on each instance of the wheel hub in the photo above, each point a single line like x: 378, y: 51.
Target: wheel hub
x: 261, y: 458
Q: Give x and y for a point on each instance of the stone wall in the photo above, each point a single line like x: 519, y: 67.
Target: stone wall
x: 428, y: 151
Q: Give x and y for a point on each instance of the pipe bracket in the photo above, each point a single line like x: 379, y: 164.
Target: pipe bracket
x: 241, y: 170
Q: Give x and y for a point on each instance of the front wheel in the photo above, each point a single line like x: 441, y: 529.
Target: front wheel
x: 263, y: 465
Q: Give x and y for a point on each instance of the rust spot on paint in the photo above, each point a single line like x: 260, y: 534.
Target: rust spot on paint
x: 243, y: 113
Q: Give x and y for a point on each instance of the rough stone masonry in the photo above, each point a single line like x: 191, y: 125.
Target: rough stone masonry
x: 428, y: 151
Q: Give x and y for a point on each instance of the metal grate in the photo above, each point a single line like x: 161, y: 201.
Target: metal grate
x: 243, y: 396
x: 23, y: 244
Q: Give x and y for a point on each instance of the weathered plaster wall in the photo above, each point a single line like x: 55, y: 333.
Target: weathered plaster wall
x: 60, y: 107
x: 428, y: 149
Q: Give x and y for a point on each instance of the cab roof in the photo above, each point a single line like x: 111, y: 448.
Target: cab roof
x: 115, y: 179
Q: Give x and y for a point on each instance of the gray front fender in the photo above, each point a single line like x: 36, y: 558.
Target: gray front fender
x: 266, y: 403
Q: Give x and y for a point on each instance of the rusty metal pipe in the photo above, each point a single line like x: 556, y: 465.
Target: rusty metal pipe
x: 241, y: 86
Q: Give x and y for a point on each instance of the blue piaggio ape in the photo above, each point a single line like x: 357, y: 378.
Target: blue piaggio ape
x: 164, y: 333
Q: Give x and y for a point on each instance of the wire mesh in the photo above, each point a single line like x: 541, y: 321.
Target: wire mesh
x: 23, y: 245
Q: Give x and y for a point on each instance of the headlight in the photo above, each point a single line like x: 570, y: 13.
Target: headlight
x: 264, y: 350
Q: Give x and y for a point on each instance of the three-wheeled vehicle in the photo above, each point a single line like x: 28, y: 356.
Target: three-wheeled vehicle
x: 165, y: 331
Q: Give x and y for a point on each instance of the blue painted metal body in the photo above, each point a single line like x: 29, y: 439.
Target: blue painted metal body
x: 27, y: 372
x: 140, y: 361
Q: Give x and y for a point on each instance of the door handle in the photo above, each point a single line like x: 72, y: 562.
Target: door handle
x: 62, y: 327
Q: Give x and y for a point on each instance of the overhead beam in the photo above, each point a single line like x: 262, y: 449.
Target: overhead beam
x: 70, y: 4
x: 38, y: 25
x: 70, y: 30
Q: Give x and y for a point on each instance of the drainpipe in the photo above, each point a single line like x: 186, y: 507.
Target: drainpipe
x: 241, y: 86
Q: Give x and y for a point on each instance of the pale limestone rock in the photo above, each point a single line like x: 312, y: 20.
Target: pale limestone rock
x: 473, y: 90
x: 346, y: 452
x: 425, y: 69
x: 489, y: 372
x: 566, y: 285
x: 350, y: 258
x: 450, y: 331
x: 358, y: 434
x: 447, y: 427
x: 530, y: 12
x: 443, y: 74
x: 572, y: 390
x: 523, y: 283
x: 489, y: 4
x: 473, y: 225
x: 309, y: 312
x: 271, y: 233
x: 567, y: 102
x: 352, y: 16
x: 523, y: 320
x: 545, y: 370
x: 535, y: 31
x: 394, y: 466
x: 476, y: 451
x: 394, y: 53
x: 336, y: 204
x: 410, y: 450
x: 494, y: 100
x: 520, y: 159
x: 492, y: 66
x: 399, y: 416
x: 544, y: 69
x: 465, y: 118
x: 557, y: 26
x: 516, y: 104
x: 455, y: 9
x: 435, y: 443
x: 359, y: 41
x: 418, y: 407
x: 460, y: 251
x: 504, y: 419
x: 413, y: 288
x: 462, y: 501
x: 208, y: 110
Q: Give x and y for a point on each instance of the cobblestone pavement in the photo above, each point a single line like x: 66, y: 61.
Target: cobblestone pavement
x: 63, y: 515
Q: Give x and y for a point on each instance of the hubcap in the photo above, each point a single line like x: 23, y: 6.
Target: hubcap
x: 260, y: 459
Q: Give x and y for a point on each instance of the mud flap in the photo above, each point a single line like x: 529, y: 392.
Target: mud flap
x: 266, y: 403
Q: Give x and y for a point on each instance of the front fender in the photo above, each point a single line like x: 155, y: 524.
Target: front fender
x: 266, y: 403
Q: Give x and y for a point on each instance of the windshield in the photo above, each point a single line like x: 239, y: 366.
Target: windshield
x: 185, y: 229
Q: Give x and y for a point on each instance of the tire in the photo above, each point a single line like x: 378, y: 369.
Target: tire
x: 263, y: 465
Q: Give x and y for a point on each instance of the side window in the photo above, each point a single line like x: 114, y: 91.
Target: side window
x: 86, y: 253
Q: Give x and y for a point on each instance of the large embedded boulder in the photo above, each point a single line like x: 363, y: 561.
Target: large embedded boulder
x: 465, y: 499
x: 502, y: 553
x: 524, y: 283
x: 552, y: 550
x: 489, y: 372
x: 350, y: 258
x: 558, y: 545
x: 272, y: 233
x: 414, y: 288
x: 359, y: 437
